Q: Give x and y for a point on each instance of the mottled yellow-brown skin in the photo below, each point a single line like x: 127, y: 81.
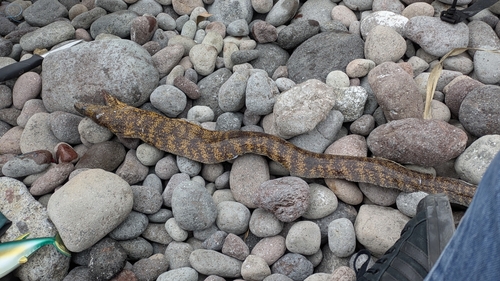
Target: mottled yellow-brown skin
x: 189, y: 140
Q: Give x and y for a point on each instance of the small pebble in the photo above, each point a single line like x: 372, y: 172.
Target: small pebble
x: 235, y: 247
x: 273, y: 194
x: 107, y: 258
x: 232, y: 217
x: 150, y: 268
x: 175, y: 231
x: 304, y: 237
x: 341, y: 237
x: 295, y: 266
x: 177, y: 254
x: 254, y: 268
x: 192, y: 206
x: 131, y: 227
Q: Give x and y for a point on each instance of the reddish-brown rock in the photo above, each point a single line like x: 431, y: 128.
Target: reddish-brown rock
x: 396, y: 92
x: 417, y: 141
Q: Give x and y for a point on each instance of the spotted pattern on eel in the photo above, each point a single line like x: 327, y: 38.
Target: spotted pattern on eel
x: 183, y: 138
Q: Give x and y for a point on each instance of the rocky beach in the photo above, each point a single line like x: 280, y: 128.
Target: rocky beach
x: 337, y: 77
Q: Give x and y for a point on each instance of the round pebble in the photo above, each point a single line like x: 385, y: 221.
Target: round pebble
x: 322, y: 202
x: 304, y: 237
x: 341, y: 237
x: 295, y: 266
x: 131, y: 227
x: 192, y: 206
x: 254, y: 268
x: 232, y: 217
x: 97, y: 199
x: 177, y: 254
x: 273, y: 194
x: 175, y: 231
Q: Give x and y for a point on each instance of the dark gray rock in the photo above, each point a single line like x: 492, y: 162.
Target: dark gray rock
x: 80, y: 273
x: 107, y: 258
x: 296, y: 33
x: 271, y: 57
x: 209, y: 86
x: 43, y: 12
x: 64, y: 126
x: 295, y: 266
x: 480, y: 111
x: 85, y: 20
x: 105, y: 155
x: 131, y: 227
x: 147, y: 199
x: 6, y: 26
x: 5, y: 47
x: 117, y: 23
x: 315, y: 59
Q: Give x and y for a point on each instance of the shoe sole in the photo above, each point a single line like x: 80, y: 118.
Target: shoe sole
x: 440, y: 224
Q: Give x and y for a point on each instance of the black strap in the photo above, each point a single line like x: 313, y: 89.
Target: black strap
x: 453, y: 16
x: 362, y: 269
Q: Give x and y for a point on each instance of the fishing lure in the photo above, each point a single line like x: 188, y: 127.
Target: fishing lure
x: 15, y: 253
x: 4, y: 224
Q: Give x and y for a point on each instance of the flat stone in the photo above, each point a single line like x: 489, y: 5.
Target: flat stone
x: 417, y: 141
x: 435, y: 36
x: 133, y: 74
x: 314, y: 60
x: 88, y: 207
x: 211, y: 262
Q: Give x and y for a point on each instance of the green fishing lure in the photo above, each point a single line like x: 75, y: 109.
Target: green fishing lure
x: 15, y: 253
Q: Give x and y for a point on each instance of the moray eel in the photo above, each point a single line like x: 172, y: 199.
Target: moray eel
x: 15, y: 253
x: 183, y: 138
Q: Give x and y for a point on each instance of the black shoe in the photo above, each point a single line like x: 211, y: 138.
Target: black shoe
x: 422, y: 241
